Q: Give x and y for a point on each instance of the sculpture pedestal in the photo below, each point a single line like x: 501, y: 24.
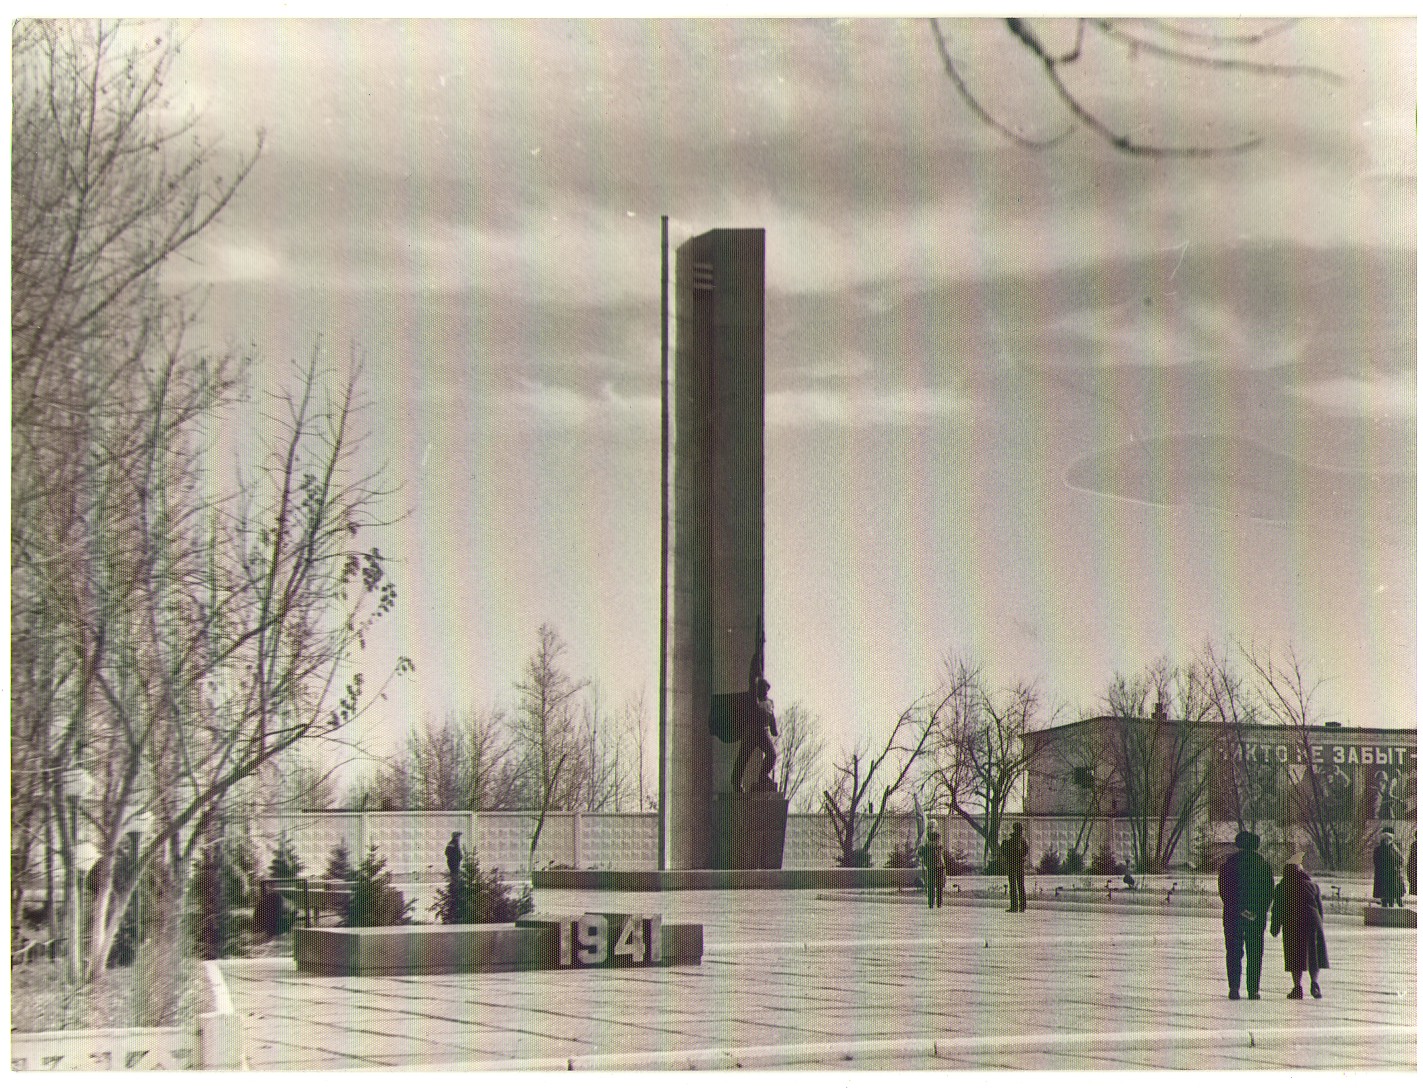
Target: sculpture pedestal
x: 748, y: 830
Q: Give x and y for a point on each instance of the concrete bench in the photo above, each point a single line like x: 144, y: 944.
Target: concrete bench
x: 535, y: 943
x: 312, y: 897
x: 1393, y: 917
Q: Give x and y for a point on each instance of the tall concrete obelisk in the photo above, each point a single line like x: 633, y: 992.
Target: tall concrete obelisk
x: 717, y: 540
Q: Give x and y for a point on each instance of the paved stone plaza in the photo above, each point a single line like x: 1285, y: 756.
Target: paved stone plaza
x: 861, y: 981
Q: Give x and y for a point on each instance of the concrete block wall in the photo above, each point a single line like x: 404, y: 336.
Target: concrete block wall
x: 413, y: 843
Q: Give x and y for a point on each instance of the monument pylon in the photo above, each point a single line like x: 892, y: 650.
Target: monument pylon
x: 716, y: 712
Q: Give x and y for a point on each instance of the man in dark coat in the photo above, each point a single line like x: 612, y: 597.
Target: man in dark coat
x: 1298, y: 910
x: 1388, y: 871
x: 1246, y: 887
x: 1015, y: 853
x: 933, y: 865
x: 453, y: 856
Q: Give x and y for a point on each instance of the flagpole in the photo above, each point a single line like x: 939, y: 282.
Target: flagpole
x: 662, y: 642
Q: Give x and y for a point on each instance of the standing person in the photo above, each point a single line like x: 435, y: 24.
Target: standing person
x: 453, y: 856
x: 934, y: 865
x: 1388, y: 871
x: 1298, y: 912
x: 1413, y: 866
x: 1015, y: 853
x: 1246, y: 888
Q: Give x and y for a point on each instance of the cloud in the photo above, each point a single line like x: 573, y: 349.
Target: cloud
x: 224, y: 257
x: 1385, y: 396
x: 543, y: 404
x: 820, y: 407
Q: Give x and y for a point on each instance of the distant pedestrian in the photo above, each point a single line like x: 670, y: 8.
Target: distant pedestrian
x: 454, y: 856
x: 1297, y: 914
x: 1015, y: 853
x: 933, y: 864
x: 1246, y: 888
x: 1388, y: 871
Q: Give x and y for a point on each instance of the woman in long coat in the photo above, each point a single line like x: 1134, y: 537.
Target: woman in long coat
x: 1388, y: 871
x: 1298, y: 911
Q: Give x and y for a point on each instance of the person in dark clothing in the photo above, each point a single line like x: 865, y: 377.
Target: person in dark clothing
x: 1015, y: 853
x: 453, y: 856
x: 1298, y: 913
x: 1388, y: 871
x: 934, y: 865
x: 1413, y: 866
x: 1246, y: 888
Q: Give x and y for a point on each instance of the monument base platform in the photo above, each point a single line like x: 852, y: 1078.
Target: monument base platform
x: 683, y: 880
x: 1394, y: 917
x: 748, y: 830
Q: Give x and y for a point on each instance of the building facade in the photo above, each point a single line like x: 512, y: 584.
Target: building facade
x: 1203, y: 780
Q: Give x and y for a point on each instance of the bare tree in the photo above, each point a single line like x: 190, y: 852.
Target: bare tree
x: 1324, y: 798
x: 980, y: 751
x: 1160, y: 756
x: 111, y: 529
x: 634, y: 731
x: 107, y: 185
x: 463, y: 763
x: 848, y: 800
x: 1070, y: 57
x: 251, y: 638
x: 1241, y: 789
x: 546, y: 732
x: 298, y: 780
x: 438, y: 761
x: 386, y: 787
x: 800, y: 750
x: 601, y: 770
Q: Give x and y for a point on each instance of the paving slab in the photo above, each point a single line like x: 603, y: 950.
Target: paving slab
x: 800, y: 979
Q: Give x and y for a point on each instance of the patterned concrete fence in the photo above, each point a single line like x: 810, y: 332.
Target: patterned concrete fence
x: 413, y: 843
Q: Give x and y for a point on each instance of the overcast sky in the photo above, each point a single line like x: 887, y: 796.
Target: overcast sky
x: 1063, y: 411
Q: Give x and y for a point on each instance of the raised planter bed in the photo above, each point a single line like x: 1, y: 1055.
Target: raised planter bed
x: 213, y: 1041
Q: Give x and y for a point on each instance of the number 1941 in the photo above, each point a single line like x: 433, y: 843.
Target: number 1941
x: 612, y: 940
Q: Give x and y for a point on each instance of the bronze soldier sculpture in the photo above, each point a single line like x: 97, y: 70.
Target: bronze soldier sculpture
x: 748, y: 719
x: 759, y: 725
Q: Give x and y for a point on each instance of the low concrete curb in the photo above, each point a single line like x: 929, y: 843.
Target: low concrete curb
x: 763, y: 1057
x: 220, y: 1031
